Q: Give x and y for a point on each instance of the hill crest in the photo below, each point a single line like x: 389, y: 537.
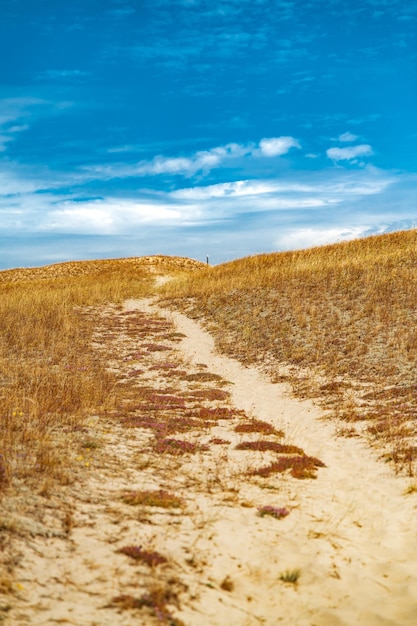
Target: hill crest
x: 155, y: 264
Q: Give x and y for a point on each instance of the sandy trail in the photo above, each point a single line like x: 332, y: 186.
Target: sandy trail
x: 354, y: 534
x: 350, y: 533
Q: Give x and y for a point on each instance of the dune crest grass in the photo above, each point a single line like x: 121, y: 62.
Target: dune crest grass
x: 336, y: 321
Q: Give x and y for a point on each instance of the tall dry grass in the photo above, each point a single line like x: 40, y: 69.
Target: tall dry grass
x: 345, y: 312
x: 51, y: 379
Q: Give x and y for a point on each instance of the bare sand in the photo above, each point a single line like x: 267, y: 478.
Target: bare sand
x: 350, y: 535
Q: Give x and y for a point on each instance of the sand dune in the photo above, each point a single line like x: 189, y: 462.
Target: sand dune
x: 346, y: 553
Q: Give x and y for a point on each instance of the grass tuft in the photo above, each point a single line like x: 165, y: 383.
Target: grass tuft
x: 177, y: 447
x: 290, y: 576
x: 264, y: 446
x: 273, y: 511
x: 144, y: 556
x: 258, y: 426
x: 300, y: 466
x: 157, y: 498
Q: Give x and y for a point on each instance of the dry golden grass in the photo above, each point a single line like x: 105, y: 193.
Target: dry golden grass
x: 50, y: 377
x: 154, y: 264
x: 342, y: 317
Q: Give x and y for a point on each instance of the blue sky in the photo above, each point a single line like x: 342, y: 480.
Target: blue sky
x: 203, y: 127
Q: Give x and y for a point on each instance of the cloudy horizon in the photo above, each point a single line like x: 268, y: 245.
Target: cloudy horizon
x: 195, y: 128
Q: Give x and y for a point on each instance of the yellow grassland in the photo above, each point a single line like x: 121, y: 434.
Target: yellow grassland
x: 84, y: 384
x: 341, y: 318
x: 337, y: 321
x: 50, y: 377
x: 156, y: 263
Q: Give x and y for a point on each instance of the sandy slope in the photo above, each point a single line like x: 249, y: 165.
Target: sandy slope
x: 351, y: 533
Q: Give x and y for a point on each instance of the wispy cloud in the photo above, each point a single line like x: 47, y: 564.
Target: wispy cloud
x: 276, y: 146
x: 200, y: 161
x: 15, y: 113
x: 333, y: 190
x: 349, y: 153
x: 4, y: 140
x: 107, y: 216
x: 55, y: 209
x: 62, y: 74
x: 347, y: 137
x: 318, y: 236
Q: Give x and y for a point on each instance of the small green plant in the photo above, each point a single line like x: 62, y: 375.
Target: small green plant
x: 290, y: 576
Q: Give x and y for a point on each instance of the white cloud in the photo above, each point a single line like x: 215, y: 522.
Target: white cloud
x: 18, y: 128
x: 347, y: 154
x: 15, y: 108
x: 200, y: 161
x: 208, y: 159
x: 203, y: 160
x: 300, y: 209
x: 370, y: 181
x: 16, y: 182
x: 164, y: 165
x: 110, y: 216
x: 222, y: 190
x: 239, y: 188
x: 276, y: 146
x: 308, y: 237
x: 347, y: 137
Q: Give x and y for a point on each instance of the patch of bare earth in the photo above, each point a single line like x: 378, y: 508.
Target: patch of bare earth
x: 209, y: 496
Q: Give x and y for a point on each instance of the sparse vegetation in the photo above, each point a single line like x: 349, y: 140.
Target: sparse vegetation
x: 227, y: 584
x: 50, y: 377
x: 150, y: 557
x: 273, y: 511
x: 51, y: 380
x: 156, y: 600
x: 158, y: 498
x: 177, y: 447
x: 300, y: 466
x: 339, y: 320
x: 258, y: 426
x: 264, y: 446
x: 290, y: 576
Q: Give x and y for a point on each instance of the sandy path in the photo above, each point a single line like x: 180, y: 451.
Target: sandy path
x: 354, y: 534
x: 350, y: 533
